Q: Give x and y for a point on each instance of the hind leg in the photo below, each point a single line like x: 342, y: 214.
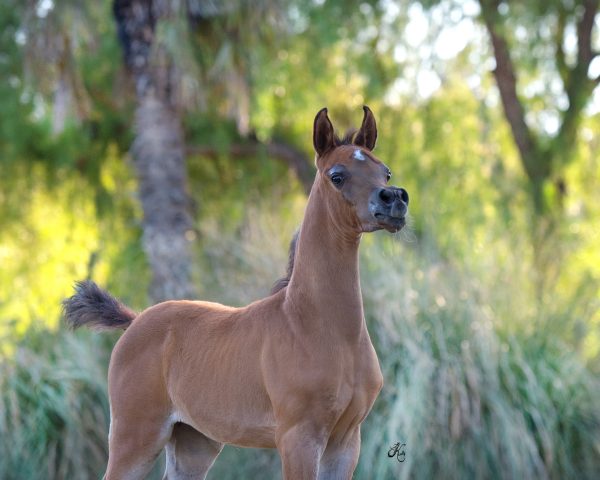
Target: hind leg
x: 141, y: 425
x: 190, y: 454
x: 141, y: 410
x: 134, y: 446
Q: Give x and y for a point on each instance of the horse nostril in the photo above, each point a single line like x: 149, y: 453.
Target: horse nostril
x: 387, y: 196
x: 403, y: 195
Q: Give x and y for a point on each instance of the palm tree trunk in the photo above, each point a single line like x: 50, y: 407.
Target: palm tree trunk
x: 158, y: 152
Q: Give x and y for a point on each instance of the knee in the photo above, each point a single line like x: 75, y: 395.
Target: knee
x: 302, y: 435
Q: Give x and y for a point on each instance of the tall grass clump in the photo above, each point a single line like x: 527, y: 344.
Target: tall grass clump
x: 54, y: 408
x: 467, y: 399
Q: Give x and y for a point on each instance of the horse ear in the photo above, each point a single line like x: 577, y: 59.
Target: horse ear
x: 323, y: 138
x: 367, y: 135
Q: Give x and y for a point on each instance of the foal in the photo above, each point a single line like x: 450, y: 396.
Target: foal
x: 294, y: 371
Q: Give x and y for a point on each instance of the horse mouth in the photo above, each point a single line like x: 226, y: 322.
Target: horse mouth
x: 391, y: 224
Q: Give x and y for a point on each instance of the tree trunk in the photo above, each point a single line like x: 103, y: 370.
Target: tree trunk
x: 158, y: 151
x: 544, y: 161
x: 160, y: 165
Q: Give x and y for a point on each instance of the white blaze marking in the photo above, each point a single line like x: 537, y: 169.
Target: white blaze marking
x: 358, y: 155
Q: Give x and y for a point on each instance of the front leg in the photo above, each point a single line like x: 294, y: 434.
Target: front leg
x: 301, y: 447
x: 340, y: 457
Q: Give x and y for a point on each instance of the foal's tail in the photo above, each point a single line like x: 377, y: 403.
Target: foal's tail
x: 96, y: 308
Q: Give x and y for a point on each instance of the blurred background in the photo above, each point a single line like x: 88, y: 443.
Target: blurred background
x: 163, y: 148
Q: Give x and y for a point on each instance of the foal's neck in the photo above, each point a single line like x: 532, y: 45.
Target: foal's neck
x: 325, y: 285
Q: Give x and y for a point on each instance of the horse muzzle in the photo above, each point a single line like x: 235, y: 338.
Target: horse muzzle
x: 389, y: 206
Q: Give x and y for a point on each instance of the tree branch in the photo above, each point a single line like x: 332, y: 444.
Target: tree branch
x: 578, y: 85
x: 585, y: 55
x: 507, y: 85
x: 292, y: 157
x: 561, y: 63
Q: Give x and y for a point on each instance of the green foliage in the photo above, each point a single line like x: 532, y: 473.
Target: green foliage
x: 59, y: 237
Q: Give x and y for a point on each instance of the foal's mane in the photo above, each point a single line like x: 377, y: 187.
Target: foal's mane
x: 283, y: 282
x: 347, y: 139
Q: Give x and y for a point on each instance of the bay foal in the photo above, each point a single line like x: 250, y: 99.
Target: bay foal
x: 294, y: 371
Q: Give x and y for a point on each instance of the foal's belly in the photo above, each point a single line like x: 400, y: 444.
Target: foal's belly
x: 228, y: 420
x: 242, y: 434
x: 228, y: 414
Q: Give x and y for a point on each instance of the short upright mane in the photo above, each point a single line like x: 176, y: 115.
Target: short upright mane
x: 347, y: 139
x: 283, y: 282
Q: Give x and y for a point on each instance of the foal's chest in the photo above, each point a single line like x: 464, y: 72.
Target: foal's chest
x: 368, y: 381
x: 335, y: 387
x: 359, y: 392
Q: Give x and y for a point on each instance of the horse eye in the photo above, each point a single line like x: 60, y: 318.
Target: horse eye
x: 389, y: 175
x: 337, y: 179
